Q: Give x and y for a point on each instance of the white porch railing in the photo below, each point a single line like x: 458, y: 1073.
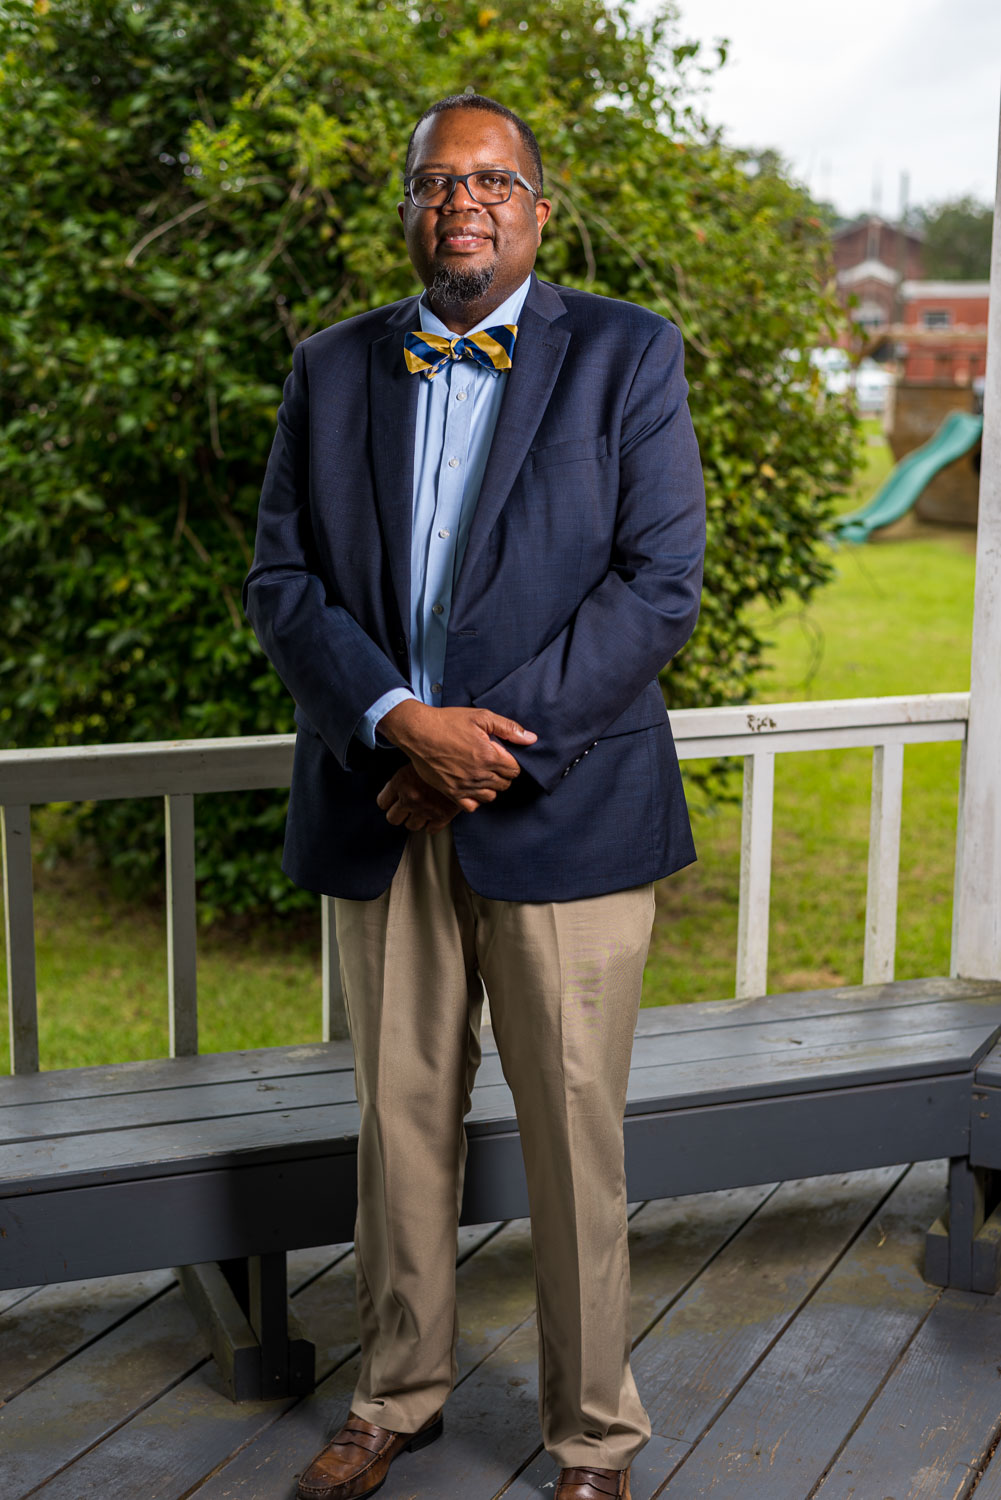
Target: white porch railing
x: 179, y: 770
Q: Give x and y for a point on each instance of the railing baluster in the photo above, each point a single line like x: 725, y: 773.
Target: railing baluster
x: 884, y: 864
x: 335, y: 1018
x: 19, y: 926
x: 957, y: 874
x: 755, y: 873
x: 182, y: 964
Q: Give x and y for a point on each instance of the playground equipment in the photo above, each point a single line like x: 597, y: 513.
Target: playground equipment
x: 958, y: 433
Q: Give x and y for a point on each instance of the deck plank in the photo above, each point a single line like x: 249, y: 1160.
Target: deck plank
x: 161, y: 1150
x: 14, y: 1295
x: 989, y: 1487
x: 50, y: 1326
x: 496, y: 1294
x: 492, y: 1420
x: 880, y: 1031
x: 114, y: 1079
x: 87, y: 1397
x: 192, y: 1427
x: 694, y: 1360
x: 936, y: 1418
x: 176, y: 1107
x: 758, y: 1316
x: 284, y: 1062
x: 80, y: 1356
x: 671, y: 1243
x: 787, y: 1422
x: 799, y: 1004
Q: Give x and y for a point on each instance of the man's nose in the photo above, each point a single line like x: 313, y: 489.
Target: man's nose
x: 461, y: 200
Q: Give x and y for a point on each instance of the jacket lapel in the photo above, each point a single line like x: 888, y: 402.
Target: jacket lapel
x: 539, y: 353
x: 393, y: 403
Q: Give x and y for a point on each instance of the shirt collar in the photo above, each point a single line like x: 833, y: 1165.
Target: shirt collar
x: 507, y: 312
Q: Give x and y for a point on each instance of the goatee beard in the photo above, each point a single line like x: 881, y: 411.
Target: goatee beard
x: 451, y: 288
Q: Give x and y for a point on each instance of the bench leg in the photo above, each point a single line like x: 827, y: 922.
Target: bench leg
x: 963, y: 1248
x: 242, y: 1306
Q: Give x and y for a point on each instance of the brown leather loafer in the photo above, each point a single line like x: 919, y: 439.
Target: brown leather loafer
x: 355, y: 1463
x: 592, y: 1484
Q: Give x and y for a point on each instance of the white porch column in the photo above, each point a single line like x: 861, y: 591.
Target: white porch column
x: 977, y: 928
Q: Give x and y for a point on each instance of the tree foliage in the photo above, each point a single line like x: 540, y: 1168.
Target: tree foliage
x: 190, y: 190
x: 957, y: 240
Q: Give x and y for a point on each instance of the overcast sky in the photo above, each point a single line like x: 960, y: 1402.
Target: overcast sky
x: 860, y: 90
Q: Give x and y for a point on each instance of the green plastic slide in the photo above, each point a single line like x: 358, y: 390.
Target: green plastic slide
x: 957, y: 435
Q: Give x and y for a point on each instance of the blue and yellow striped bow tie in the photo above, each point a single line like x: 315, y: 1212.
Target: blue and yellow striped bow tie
x: 427, y: 353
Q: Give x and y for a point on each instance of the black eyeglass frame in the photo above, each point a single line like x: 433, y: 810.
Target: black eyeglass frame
x: 514, y: 177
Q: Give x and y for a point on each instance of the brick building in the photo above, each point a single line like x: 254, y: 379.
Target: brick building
x: 943, y: 331
x: 934, y: 333
x: 872, y: 258
x: 941, y: 350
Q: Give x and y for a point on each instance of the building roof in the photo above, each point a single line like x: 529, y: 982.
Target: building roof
x: 870, y: 270
x: 914, y: 289
x: 863, y: 220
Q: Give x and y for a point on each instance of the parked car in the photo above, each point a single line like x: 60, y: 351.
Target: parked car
x: 870, y: 381
x: 872, y: 385
x: 835, y: 369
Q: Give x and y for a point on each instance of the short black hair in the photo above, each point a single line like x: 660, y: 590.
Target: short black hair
x: 480, y: 101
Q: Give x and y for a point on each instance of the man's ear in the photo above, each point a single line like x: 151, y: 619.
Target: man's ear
x: 399, y: 209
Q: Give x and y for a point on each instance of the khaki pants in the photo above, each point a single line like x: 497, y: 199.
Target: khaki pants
x: 564, y: 982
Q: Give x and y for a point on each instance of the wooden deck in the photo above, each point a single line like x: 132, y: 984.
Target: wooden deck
x: 786, y: 1347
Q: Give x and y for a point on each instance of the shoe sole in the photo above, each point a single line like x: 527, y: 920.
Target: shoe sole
x: 418, y: 1441
x: 422, y: 1439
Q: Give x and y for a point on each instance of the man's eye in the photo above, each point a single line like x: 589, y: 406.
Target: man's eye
x: 430, y: 184
x: 492, y: 180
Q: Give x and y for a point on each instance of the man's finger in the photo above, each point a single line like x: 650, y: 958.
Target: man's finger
x: 498, y: 774
x: 472, y: 785
x: 502, y: 771
x: 387, y: 796
x: 508, y: 729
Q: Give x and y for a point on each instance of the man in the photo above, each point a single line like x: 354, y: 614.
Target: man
x: 474, y: 554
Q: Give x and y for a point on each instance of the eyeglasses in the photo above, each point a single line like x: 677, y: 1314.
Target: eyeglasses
x: 434, y: 189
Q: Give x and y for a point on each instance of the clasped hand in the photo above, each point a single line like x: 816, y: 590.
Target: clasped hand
x: 456, y: 762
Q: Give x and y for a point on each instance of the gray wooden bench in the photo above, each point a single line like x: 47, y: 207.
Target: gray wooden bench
x: 220, y: 1164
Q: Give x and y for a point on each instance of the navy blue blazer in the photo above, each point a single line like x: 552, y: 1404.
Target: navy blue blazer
x: 581, y: 579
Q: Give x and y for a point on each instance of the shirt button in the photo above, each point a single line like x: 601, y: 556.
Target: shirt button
x: 460, y: 395
x: 437, y: 609
x: 444, y: 532
x: 453, y: 463
x: 436, y: 687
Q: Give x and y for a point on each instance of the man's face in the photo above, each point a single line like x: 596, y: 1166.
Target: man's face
x: 471, y: 256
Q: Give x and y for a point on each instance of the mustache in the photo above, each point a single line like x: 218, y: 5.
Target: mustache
x: 473, y: 228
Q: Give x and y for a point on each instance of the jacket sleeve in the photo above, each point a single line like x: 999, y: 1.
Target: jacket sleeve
x: 645, y: 608
x: 332, y: 668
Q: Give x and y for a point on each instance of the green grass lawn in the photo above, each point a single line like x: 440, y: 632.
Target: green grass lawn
x: 896, y: 620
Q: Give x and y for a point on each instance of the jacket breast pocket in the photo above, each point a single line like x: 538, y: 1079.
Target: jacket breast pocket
x: 572, y: 451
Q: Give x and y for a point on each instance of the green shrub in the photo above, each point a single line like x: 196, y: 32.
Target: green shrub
x: 190, y: 190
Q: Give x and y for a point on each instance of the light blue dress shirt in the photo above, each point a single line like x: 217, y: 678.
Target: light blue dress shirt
x: 457, y: 412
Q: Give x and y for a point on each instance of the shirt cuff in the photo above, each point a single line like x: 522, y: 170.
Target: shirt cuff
x: 366, y: 726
